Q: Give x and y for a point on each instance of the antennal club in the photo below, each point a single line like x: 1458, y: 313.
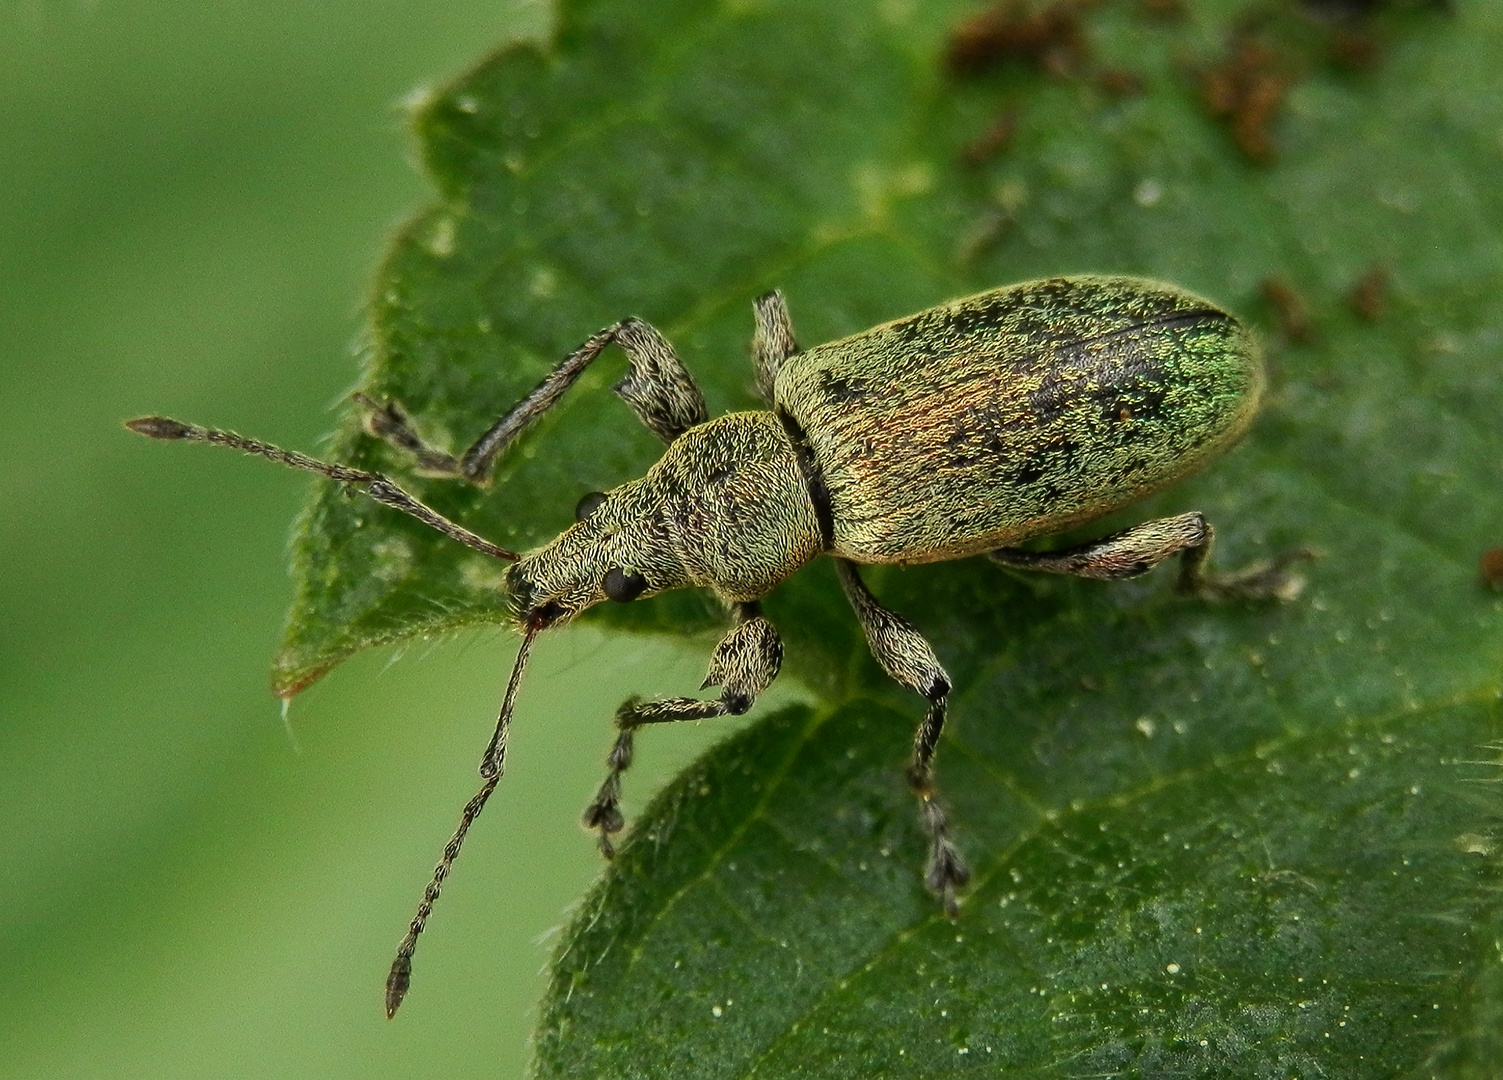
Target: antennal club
x: 378, y: 487
x: 492, y: 765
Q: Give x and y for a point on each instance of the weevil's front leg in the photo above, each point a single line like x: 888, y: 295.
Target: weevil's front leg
x: 744, y: 664
x: 909, y: 659
x: 657, y: 387
x: 773, y: 341
x: 1137, y: 550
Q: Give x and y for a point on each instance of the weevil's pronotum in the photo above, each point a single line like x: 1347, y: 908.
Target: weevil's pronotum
x: 963, y: 430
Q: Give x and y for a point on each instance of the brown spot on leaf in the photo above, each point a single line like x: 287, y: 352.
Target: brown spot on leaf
x: 1490, y: 566
x: 1246, y: 91
x: 1164, y: 10
x: 1050, y: 37
x: 1370, y: 293
x: 1289, y: 308
x: 1119, y: 82
x: 1354, y: 47
x: 992, y: 141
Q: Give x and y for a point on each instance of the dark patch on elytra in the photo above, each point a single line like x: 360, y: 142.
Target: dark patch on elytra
x: 1139, y: 399
x: 843, y: 389
x: 1028, y: 471
x: 1052, y: 398
x: 974, y: 320
x: 1147, y: 324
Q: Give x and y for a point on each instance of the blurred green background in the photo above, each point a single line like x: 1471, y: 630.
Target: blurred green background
x: 193, y: 198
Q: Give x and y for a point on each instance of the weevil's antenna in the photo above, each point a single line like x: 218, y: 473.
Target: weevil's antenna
x: 492, y: 765
x: 376, y: 486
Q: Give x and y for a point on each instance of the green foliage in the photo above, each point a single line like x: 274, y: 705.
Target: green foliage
x: 1208, y: 840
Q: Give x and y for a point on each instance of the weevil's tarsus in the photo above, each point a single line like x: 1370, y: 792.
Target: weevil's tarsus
x: 389, y: 421
x: 772, y: 342
x: 946, y: 873
x: 744, y: 664
x: 657, y: 387
x: 1268, y: 579
x: 375, y: 485
x: 492, y: 766
x: 1137, y: 550
x: 909, y: 659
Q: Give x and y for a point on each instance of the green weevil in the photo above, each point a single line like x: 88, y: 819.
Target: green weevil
x: 966, y: 429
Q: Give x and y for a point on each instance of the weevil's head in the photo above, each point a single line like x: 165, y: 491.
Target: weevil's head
x: 619, y: 549
x: 726, y: 508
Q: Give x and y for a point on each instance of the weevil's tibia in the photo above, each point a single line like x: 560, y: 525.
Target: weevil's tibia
x: 378, y: 487
x: 745, y: 664
x: 387, y: 420
x: 492, y: 765
x: 1137, y: 550
x: 657, y: 387
x: 903, y: 653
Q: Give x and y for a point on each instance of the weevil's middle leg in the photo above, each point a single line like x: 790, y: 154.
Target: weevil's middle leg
x: 657, y: 387
x: 1139, y: 549
x: 904, y: 654
x: 744, y: 664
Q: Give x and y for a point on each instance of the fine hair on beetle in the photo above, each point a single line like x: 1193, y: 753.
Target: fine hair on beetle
x: 966, y: 429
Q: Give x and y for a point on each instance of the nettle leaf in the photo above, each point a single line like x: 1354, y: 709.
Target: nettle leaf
x: 1208, y: 840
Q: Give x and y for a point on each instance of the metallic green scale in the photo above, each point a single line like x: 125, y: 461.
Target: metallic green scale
x: 1017, y: 412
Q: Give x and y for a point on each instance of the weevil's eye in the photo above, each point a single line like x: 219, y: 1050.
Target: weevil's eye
x: 621, y: 586
x: 588, y: 504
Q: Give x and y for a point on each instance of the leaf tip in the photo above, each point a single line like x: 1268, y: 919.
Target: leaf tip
x: 290, y: 678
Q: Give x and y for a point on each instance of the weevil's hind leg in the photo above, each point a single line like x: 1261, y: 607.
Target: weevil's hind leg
x: 657, y: 387
x: 744, y: 664
x: 773, y: 341
x: 909, y: 659
x: 1267, y: 579
x: 1139, y: 549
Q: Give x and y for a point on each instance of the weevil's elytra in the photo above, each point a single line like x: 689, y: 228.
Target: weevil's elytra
x: 963, y: 430
x: 1017, y: 413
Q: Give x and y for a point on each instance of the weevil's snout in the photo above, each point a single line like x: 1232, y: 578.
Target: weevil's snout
x: 519, y: 592
x: 616, y: 550
x: 531, y: 606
